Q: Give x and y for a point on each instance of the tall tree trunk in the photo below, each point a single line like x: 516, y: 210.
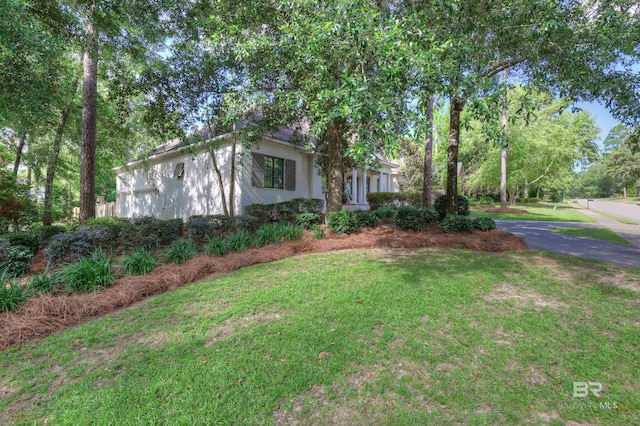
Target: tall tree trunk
x: 89, y: 119
x: 503, y: 154
x: 538, y: 192
x: 624, y: 191
x: 52, y: 165
x: 512, y: 198
x: 427, y: 193
x: 335, y: 169
x: 16, y: 163
x: 455, y: 110
x: 232, y: 184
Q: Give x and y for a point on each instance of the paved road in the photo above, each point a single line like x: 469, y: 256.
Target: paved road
x: 539, y: 237
x: 625, y: 210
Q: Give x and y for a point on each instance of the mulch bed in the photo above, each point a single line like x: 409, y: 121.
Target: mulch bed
x: 47, y: 314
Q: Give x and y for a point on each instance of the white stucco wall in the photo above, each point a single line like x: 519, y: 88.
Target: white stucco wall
x: 308, y: 180
x: 153, y: 190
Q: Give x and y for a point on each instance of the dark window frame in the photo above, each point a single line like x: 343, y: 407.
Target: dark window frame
x: 273, y: 172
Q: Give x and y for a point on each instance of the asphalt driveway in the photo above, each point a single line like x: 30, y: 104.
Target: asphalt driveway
x: 539, y: 236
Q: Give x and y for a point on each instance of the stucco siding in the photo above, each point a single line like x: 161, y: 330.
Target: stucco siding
x: 308, y: 181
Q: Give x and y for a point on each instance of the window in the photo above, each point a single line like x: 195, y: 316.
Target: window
x: 178, y: 172
x: 273, y: 172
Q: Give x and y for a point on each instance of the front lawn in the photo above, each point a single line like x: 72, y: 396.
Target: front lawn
x: 353, y: 337
x: 594, y: 233
x: 543, y: 212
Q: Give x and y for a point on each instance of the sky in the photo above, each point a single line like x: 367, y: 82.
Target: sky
x: 604, y: 120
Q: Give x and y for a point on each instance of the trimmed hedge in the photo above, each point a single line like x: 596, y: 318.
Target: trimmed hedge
x: 367, y: 219
x: 409, y: 217
x: 203, y: 228
x: 394, y: 199
x: 385, y: 212
x: 484, y: 223
x: 73, y: 245
x: 307, y: 220
x: 430, y: 216
x: 342, y: 222
x: 456, y: 224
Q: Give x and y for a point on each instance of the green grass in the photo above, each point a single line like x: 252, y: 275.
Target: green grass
x: 595, y: 233
x: 618, y: 218
x: 542, y: 212
x: 359, y: 337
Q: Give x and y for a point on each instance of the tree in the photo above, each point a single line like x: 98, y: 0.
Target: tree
x: 336, y: 65
x: 622, y: 165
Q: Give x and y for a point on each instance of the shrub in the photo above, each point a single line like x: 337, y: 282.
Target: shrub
x: 267, y: 234
x: 409, y: 217
x: 307, y: 220
x: 240, y: 241
x: 11, y: 294
x: 485, y: 200
x: 14, y: 260
x: 140, y: 262
x: 412, y: 198
x: 290, y: 232
x: 455, y: 224
x: 309, y: 205
x: 381, y: 199
x: 41, y: 283
x: 484, y: 223
x: 46, y: 232
x: 88, y: 274
x: 179, y: 251
x: 73, y: 245
x: 150, y: 233
x: 385, y: 212
x: 367, y: 219
x: 24, y: 239
x: 246, y: 223
x: 529, y: 200
x: 440, y: 206
x: 430, y: 216
x: 318, y: 233
x: 202, y: 228
x: 216, y: 246
x: 342, y: 222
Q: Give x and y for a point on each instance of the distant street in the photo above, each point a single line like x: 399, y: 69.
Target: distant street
x: 624, y: 210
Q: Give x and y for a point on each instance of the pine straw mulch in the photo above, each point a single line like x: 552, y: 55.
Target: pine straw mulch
x: 47, y: 314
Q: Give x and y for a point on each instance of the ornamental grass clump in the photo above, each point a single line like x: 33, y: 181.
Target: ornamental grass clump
x: 180, y: 251
x: 12, y: 294
x: 88, y: 274
x: 140, y: 262
x: 239, y: 241
x: 41, y: 283
x: 216, y: 246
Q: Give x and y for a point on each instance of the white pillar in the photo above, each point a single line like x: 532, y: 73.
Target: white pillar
x: 388, y: 183
x: 354, y: 186
x: 364, y: 186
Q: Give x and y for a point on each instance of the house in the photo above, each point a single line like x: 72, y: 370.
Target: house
x: 178, y: 180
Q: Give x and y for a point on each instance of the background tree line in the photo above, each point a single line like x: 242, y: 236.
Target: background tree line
x: 88, y: 84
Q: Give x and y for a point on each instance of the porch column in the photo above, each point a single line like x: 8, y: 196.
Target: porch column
x: 364, y: 186
x: 354, y: 186
x: 388, y: 183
